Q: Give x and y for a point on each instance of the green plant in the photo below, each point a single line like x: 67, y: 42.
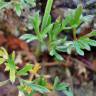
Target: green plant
x: 48, y: 33
x: 17, y: 5
x: 62, y: 87
x: 26, y: 86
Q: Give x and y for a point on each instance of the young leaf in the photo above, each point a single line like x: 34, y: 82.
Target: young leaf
x: 12, y: 68
x: 58, y: 57
x: 28, y: 37
x: 78, y: 49
x: 91, y: 34
x: 3, y: 5
x: 69, y: 49
x: 46, y: 14
x: 18, y: 8
x: 78, y: 14
x: 2, y: 60
x: 46, y: 30
x: 31, y: 2
x: 36, y: 87
x: 62, y: 48
x: 56, y: 29
x: 49, y: 20
x: 92, y: 42
x: 3, y: 53
x: 84, y: 45
x: 56, y: 81
x: 36, y: 22
x: 24, y: 70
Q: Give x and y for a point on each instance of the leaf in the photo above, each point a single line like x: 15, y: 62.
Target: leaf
x: 78, y: 49
x: 68, y: 93
x: 36, y: 22
x: 42, y: 81
x: 56, y: 81
x: 31, y: 2
x: 46, y: 30
x: 61, y: 86
x: 73, y: 18
x: 91, y: 34
x: 58, y: 57
x: 46, y: 14
x: 3, y: 4
x: 56, y: 30
x: 52, y: 52
x: 49, y: 20
x: 13, y: 55
x: 3, y: 53
x: 69, y: 49
x: 37, y: 88
x: 18, y: 8
x: 62, y: 48
x: 12, y: 67
x: 84, y: 45
x: 28, y: 37
x: 78, y: 14
x: 2, y: 60
x: 65, y: 88
x: 87, y: 18
x: 92, y: 42
x: 24, y: 70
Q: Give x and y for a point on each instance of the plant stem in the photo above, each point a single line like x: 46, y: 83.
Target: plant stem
x: 74, y: 34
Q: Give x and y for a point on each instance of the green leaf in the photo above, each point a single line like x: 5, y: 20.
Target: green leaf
x: 3, y: 53
x: 12, y: 67
x: 92, y: 42
x: 24, y: 70
x: 13, y: 55
x: 41, y: 81
x: 62, y: 48
x: 37, y: 88
x: 3, y: 4
x: 68, y: 93
x: 46, y: 14
x: 36, y: 22
x: 58, y: 57
x: 84, y: 45
x: 18, y: 8
x: 28, y: 37
x: 87, y: 18
x: 56, y: 81
x: 31, y: 2
x: 65, y: 88
x: 78, y: 49
x: 46, y: 30
x: 52, y: 52
x: 78, y: 14
x: 64, y: 23
x: 61, y: 86
x: 56, y: 30
x: 49, y: 20
x: 91, y: 34
x: 2, y: 60
x: 73, y: 18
